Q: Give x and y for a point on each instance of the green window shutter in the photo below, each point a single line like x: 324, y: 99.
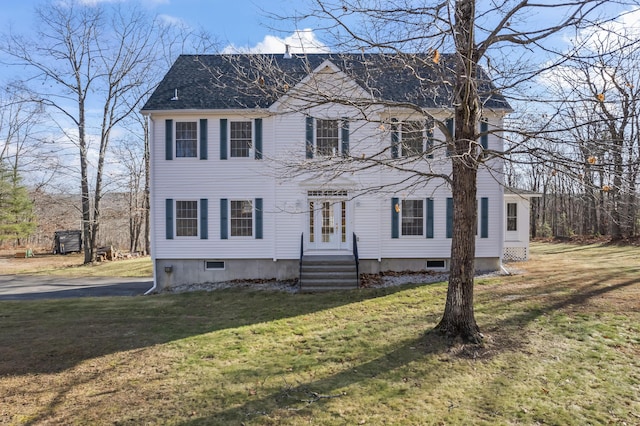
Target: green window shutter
x: 345, y: 137
x: 451, y: 137
x: 484, y: 138
x: 395, y: 138
x: 395, y: 218
x: 258, y: 209
x: 204, y: 219
x: 168, y: 139
x: 169, y: 218
x: 203, y: 139
x: 484, y: 217
x: 430, y: 139
x: 449, y: 217
x: 450, y: 128
x: 429, y: 218
x: 258, y: 139
x: 309, y: 137
x: 223, y: 138
x: 224, y: 219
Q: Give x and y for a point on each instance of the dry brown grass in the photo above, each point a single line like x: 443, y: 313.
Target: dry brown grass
x: 9, y: 264
x: 72, y: 265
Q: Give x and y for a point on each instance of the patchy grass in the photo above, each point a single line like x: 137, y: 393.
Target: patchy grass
x: 562, y: 346
x: 71, y: 265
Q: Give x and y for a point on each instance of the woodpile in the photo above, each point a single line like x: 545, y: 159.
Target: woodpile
x: 24, y: 254
x: 108, y: 253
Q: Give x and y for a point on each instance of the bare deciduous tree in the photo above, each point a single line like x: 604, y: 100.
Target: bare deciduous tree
x: 88, y: 57
x: 412, y: 34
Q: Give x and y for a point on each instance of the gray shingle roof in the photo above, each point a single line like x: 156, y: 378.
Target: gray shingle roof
x: 257, y: 81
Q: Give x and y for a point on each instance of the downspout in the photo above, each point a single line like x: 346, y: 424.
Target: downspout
x: 152, y: 289
x: 151, y: 218
x: 503, y: 269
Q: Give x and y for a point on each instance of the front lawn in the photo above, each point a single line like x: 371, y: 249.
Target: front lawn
x: 562, y: 346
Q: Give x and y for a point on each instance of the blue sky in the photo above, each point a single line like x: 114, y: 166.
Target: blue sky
x: 242, y: 23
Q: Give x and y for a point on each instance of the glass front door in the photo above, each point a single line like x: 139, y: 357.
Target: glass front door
x: 328, y: 224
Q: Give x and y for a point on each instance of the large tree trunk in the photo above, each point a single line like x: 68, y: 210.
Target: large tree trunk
x: 84, y: 187
x: 458, y: 319
x: 147, y: 191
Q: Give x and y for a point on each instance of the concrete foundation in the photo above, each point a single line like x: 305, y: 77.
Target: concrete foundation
x: 371, y: 266
x: 174, y: 272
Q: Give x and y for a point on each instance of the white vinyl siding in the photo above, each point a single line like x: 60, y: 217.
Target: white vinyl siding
x: 286, y: 199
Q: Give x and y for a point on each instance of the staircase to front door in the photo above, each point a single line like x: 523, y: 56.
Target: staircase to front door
x: 328, y: 272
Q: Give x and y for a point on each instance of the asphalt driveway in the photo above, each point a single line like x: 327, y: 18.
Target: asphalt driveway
x: 32, y: 287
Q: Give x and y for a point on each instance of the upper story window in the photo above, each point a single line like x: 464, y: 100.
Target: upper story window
x: 240, y: 138
x: 412, y: 138
x: 186, y: 218
x: 512, y: 216
x: 327, y: 137
x: 186, y: 139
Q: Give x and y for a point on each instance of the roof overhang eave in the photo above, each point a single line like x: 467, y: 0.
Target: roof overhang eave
x: 209, y: 111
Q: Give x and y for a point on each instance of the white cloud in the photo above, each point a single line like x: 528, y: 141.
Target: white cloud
x: 613, y: 34
x: 148, y: 3
x: 172, y: 20
x: 96, y: 2
x: 301, y: 41
x: 616, y: 37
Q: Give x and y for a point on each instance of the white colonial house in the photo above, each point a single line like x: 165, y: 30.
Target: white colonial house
x: 317, y: 167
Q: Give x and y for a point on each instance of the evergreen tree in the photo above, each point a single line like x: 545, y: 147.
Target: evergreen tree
x: 17, y: 220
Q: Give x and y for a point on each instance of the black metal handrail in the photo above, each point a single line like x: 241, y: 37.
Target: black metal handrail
x: 355, y: 254
x: 300, y: 265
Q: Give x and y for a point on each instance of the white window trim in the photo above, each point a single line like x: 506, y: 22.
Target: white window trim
x: 253, y: 219
x: 175, y: 141
x: 251, y: 155
x: 402, y: 152
x: 175, y: 219
x: 424, y: 219
x: 316, y: 153
x: 514, y: 231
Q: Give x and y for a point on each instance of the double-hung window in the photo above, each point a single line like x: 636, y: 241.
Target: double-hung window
x: 186, y: 218
x: 412, y: 217
x: 512, y: 216
x: 412, y: 138
x: 240, y: 138
x: 241, y: 218
x: 327, y: 140
x: 186, y: 139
